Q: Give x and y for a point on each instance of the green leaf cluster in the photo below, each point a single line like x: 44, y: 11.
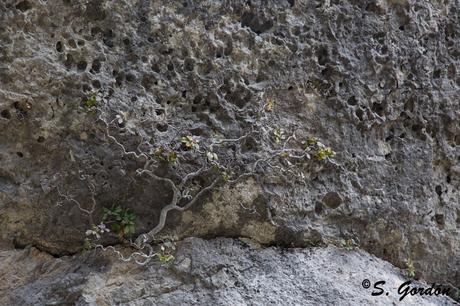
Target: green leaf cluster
x: 163, y: 154
x: 324, y: 153
x: 189, y: 142
x: 122, y: 221
x: 410, y: 268
x: 277, y: 135
x: 165, y: 258
x: 90, y: 103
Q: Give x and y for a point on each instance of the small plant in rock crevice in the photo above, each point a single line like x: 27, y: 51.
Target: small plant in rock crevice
x: 324, y: 153
x: 350, y: 244
x: 121, y: 221
x: 90, y: 103
x: 166, y: 249
x: 410, y: 267
x: 278, y: 135
x: 226, y: 176
x: 190, y: 142
x: 270, y: 105
x: 165, y: 155
x: 211, y: 156
x: 320, y: 151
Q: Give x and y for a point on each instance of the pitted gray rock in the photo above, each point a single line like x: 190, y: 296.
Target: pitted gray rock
x: 209, y: 272
x: 378, y: 82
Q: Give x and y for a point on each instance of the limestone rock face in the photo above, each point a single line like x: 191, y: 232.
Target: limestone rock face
x: 377, y: 81
x: 217, y: 272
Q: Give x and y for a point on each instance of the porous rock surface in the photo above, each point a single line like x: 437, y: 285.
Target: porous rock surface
x: 376, y: 81
x: 218, y: 272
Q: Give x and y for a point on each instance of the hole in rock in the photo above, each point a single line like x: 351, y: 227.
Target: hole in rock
x: 59, y: 46
x: 352, y: 101
x: 249, y: 145
x: 72, y: 43
x: 23, y: 6
x: 189, y: 63
x: 96, y: 84
x: 5, y: 114
x: 438, y: 190
x: 162, y: 127
x: 130, y: 78
x: 81, y: 65
x: 108, y: 42
x: 378, y: 109
x: 96, y: 66
x: 258, y: 23
x: 322, y: 56
x: 119, y: 80
x: 86, y: 87
x: 319, y: 208
x: 332, y: 200
x: 439, y: 218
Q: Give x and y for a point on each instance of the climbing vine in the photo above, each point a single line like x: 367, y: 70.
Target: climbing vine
x: 196, y: 166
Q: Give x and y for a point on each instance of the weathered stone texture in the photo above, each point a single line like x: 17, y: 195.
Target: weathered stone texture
x: 378, y: 81
x: 217, y: 272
